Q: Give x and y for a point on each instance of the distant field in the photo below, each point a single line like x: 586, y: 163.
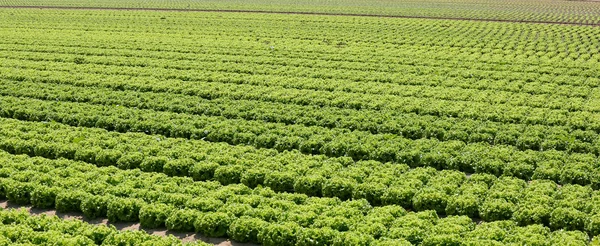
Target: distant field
x: 583, y: 12
x: 285, y: 129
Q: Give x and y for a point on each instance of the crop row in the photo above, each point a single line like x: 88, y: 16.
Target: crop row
x: 564, y: 41
x: 387, y: 75
x: 575, y: 12
x: 322, y: 80
x: 399, y: 61
x: 256, y: 215
x: 505, y: 113
x: 447, y: 192
x: 429, y: 57
x: 205, y: 43
x: 18, y: 227
x: 478, y: 157
x: 409, y: 126
x: 224, y: 86
x: 477, y: 75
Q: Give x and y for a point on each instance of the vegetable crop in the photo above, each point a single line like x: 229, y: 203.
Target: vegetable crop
x: 279, y: 129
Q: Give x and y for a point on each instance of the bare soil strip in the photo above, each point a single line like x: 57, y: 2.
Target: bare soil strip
x: 185, y: 237
x: 303, y: 13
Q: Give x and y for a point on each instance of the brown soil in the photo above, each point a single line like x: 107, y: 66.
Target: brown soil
x: 185, y: 237
x: 310, y: 13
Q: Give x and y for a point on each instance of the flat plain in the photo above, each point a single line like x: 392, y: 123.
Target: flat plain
x: 456, y: 122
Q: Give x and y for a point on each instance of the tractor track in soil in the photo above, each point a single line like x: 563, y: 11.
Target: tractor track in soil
x: 303, y: 13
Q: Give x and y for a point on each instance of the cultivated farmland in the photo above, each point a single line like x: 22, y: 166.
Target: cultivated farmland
x: 331, y: 126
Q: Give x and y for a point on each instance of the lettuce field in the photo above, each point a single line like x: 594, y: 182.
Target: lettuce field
x: 452, y: 122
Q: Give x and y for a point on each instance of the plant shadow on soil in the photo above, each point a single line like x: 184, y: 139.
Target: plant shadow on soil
x: 184, y: 236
